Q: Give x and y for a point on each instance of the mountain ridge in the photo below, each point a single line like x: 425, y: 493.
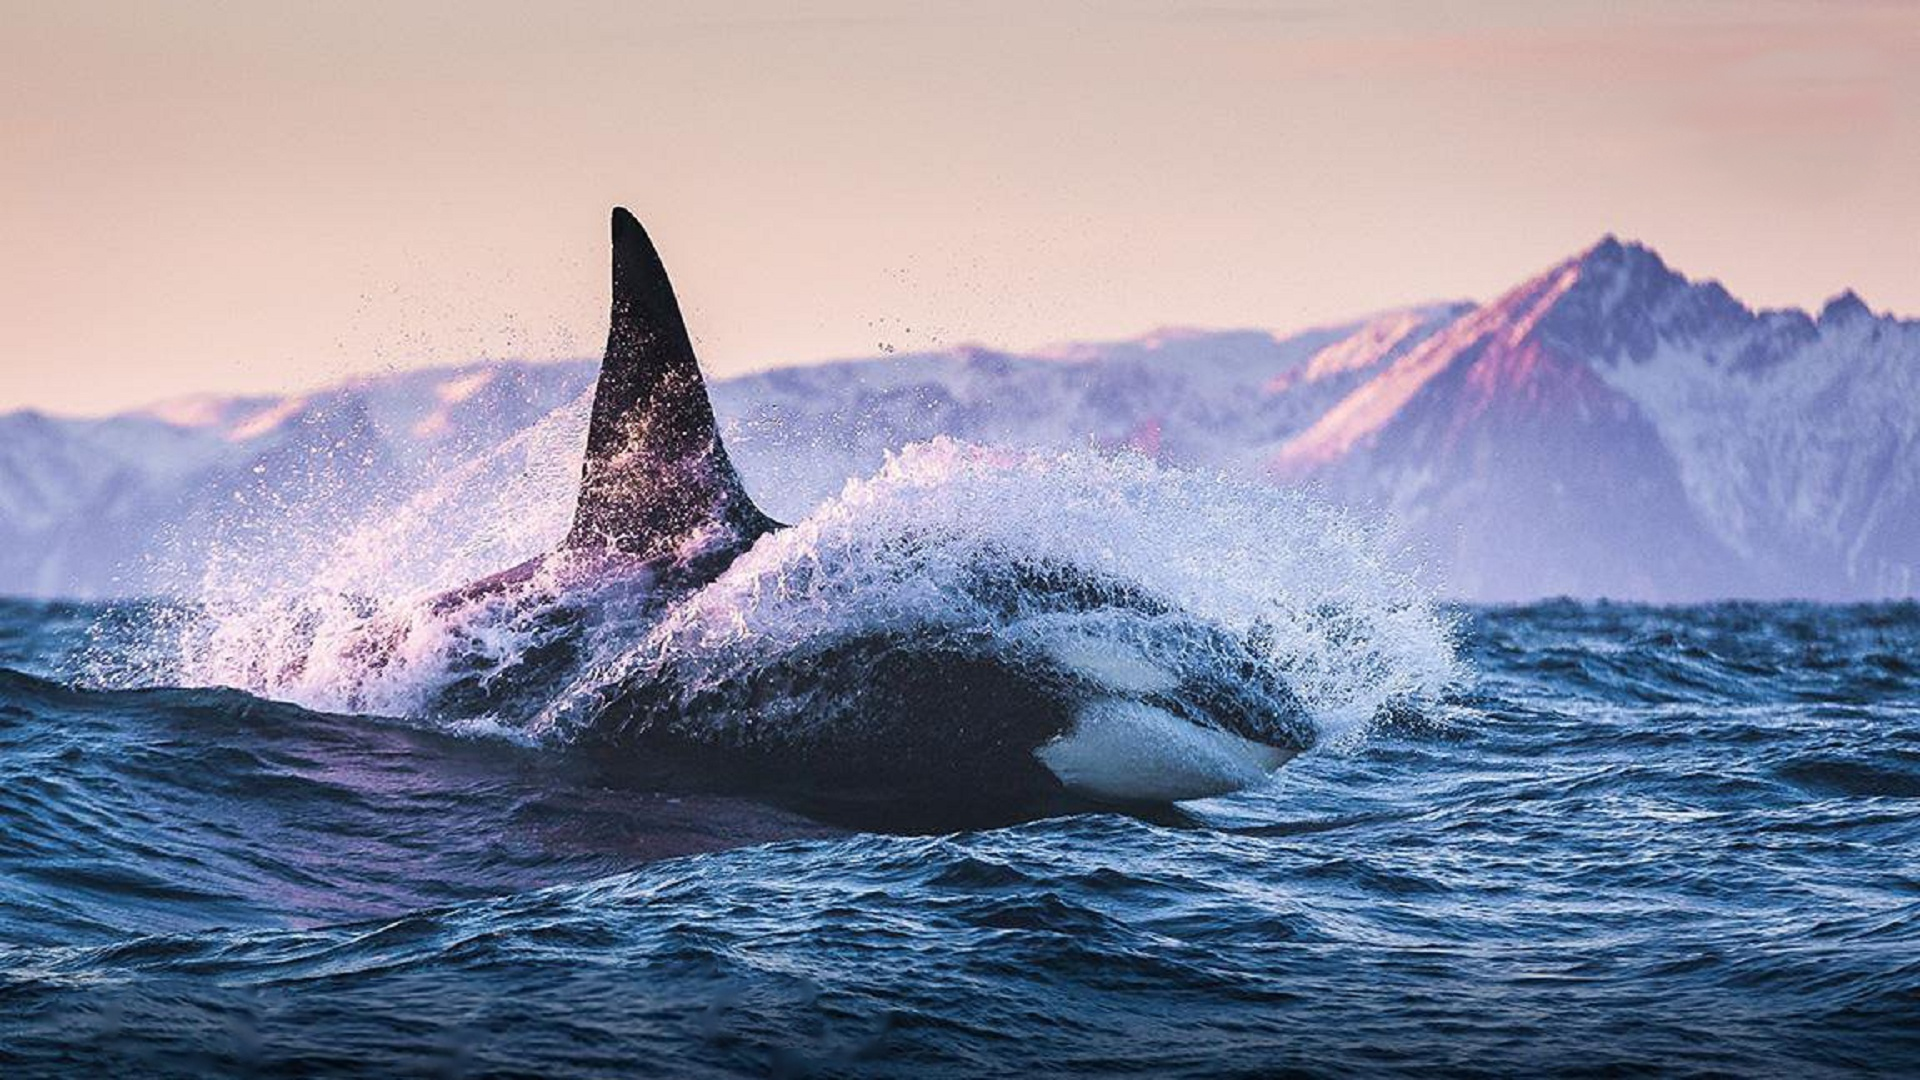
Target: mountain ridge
x: 1608, y: 426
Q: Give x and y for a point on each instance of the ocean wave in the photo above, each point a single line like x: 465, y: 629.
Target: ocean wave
x: 947, y: 540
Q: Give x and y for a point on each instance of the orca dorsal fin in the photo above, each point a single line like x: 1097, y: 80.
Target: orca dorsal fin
x: 656, y: 479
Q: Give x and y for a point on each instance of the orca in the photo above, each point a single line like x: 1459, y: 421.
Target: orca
x: 919, y: 726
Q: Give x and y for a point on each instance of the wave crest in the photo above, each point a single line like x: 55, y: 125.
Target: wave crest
x: 947, y: 539
x: 1315, y: 590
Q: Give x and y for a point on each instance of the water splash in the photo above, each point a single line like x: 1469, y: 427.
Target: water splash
x: 1315, y: 588
x: 1316, y: 591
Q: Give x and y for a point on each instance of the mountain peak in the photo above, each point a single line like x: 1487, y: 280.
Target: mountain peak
x: 1611, y: 259
x: 1620, y: 298
x: 1844, y: 308
x: 1605, y: 248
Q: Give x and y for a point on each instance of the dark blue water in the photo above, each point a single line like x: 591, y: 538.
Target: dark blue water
x: 1677, y: 842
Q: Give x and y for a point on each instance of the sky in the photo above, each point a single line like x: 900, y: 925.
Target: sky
x: 262, y: 197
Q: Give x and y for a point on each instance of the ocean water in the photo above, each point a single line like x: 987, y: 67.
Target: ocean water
x: 1623, y: 841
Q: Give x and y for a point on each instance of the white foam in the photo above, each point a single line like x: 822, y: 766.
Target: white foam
x: 1316, y: 590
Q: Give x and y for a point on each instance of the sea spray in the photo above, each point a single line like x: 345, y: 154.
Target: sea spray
x: 1319, y: 593
x: 1317, y: 589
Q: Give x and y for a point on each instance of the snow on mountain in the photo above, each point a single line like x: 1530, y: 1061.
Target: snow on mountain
x: 1221, y: 400
x: 1606, y: 428
x: 1613, y: 428
x: 482, y: 459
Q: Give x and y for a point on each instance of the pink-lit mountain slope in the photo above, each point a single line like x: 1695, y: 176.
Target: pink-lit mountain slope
x: 1611, y: 428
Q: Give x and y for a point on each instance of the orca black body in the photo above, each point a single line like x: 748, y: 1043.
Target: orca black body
x: 932, y: 725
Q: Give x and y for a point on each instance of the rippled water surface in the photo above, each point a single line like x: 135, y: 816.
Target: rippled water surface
x: 1636, y: 841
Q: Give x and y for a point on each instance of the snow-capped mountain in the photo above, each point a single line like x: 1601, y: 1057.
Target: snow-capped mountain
x: 1612, y: 428
x: 256, y: 487
x: 1606, y: 428
x: 1224, y: 400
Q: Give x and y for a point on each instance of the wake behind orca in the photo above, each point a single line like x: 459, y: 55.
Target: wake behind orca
x: 927, y: 718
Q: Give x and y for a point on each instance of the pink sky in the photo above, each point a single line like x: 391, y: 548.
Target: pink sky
x: 256, y: 196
